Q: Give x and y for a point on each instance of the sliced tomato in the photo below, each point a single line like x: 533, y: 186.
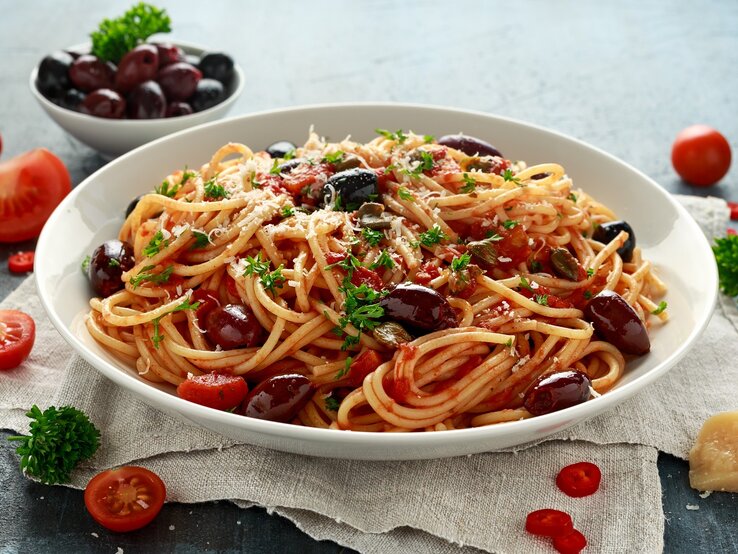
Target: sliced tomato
x: 126, y: 498
x: 363, y: 365
x: 549, y: 523
x: 306, y: 175
x: 215, y: 390
x: 17, y: 333
x: 581, y: 479
x: 572, y: 543
x: 31, y: 186
x: 22, y: 262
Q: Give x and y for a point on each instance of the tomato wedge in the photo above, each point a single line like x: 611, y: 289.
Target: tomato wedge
x: 17, y: 333
x: 363, y: 365
x: 573, y: 543
x: 579, y: 480
x: 126, y: 498
x: 549, y: 523
x: 31, y: 186
x: 215, y: 390
x: 22, y: 262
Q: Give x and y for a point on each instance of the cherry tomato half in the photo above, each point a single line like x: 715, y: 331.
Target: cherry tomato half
x: 31, y: 186
x: 215, y: 390
x: 22, y: 262
x: 549, y: 523
x: 17, y: 333
x: 126, y: 498
x: 700, y: 155
x: 579, y: 480
x: 573, y: 543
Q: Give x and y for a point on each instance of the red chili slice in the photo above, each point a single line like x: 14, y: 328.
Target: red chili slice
x: 579, y: 480
x: 22, y: 262
x: 730, y: 231
x: 733, y: 210
x: 549, y: 523
x: 573, y: 543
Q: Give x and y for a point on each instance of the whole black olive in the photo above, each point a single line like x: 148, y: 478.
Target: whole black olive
x: 218, y: 66
x: 233, y: 326
x: 208, y: 93
x: 289, y: 165
x: 606, y: 232
x: 132, y: 205
x: 53, y: 74
x: 108, y: 262
x: 72, y: 99
x: 146, y: 101
x: 280, y: 149
x: 279, y: 398
x: 557, y: 391
x: 420, y: 309
x: 615, y: 321
x: 352, y: 188
x: 470, y: 146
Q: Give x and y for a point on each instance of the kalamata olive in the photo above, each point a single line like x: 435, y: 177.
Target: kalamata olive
x: 71, y: 99
x: 104, y: 103
x: 606, y: 232
x: 470, y: 146
x: 137, y: 66
x: 90, y: 73
x: 233, y: 326
x: 53, y: 74
x: 207, y: 301
x: 218, y: 66
x: 178, y: 80
x: 556, y: 391
x: 146, y: 101
x: 208, y: 93
x: 352, y: 188
x: 391, y: 334
x: 280, y: 149
x: 564, y: 264
x: 289, y: 165
x: 108, y: 262
x: 176, y: 109
x: 278, y: 398
x: 169, y: 53
x: 132, y: 205
x: 420, y: 309
x: 615, y: 321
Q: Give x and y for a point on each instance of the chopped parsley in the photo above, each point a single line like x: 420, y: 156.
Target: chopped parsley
x: 541, y: 299
x: 661, y: 307
x: 459, y: 264
x: 336, y: 157
x: 186, y: 176
x: 470, y: 184
x: 509, y: 176
x: 158, y: 337
x: 398, y: 136
x: 287, y: 211
x: 346, y: 368
x: 254, y: 183
x: 525, y: 284
x: 372, y: 236
x: 348, y: 264
x: 86, y: 264
x: 332, y: 403
x: 201, y: 239
x: 273, y: 280
x: 214, y: 191
x: 432, y: 236
x: 275, y: 170
x: 112, y: 262
x: 256, y: 265
x: 155, y: 245
x: 362, y: 310
x: 509, y: 224
x: 405, y: 194
x: 425, y: 163
x: 590, y: 271
x: 165, y: 189
x: 492, y: 237
x: 428, y: 139
x: 145, y: 275
x: 572, y: 197
x: 587, y: 294
x: 384, y: 260
x: 290, y: 154
x: 535, y: 266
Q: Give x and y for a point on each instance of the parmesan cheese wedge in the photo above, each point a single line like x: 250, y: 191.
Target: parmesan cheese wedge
x: 713, y: 460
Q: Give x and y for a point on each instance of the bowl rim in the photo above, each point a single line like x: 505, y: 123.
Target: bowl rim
x: 555, y: 420
x: 189, y: 47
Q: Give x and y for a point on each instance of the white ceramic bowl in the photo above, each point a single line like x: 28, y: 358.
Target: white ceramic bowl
x: 113, y: 137
x: 93, y: 212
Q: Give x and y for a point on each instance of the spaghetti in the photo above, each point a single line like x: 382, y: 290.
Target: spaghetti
x: 314, y: 249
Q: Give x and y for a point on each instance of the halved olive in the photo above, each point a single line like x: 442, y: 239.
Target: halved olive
x: 564, y: 264
x: 471, y: 146
x: 606, y: 232
x: 615, y: 321
x: 352, y: 188
x: 557, y: 391
x: 280, y: 149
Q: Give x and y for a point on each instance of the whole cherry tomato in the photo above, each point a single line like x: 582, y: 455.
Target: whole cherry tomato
x: 700, y: 155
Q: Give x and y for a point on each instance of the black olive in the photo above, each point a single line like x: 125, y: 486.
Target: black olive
x: 208, y: 93
x: 108, y: 262
x: 280, y: 149
x: 72, y: 99
x: 471, y: 146
x: 218, y: 66
x: 132, y: 205
x: 352, y: 188
x: 420, y: 309
x: 606, y: 232
x: 557, y: 391
x: 615, y: 321
x: 289, y: 165
x: 53, y: 74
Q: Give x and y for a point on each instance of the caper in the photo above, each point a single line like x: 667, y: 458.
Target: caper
x: 391, y: 334
x: 371, y: 214
x: 564, y: 264
x: 484, y: 249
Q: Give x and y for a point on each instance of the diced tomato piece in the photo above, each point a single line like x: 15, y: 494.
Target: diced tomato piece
x: 215, y: 390
x: 573, y: 543
x: 22, y: 262
x: 231, y: 285
x: 335, y: 257
x: 305, y: 175
x: 581, y: 479
x: 382, y: 177
x: 428, y: 271
x: 363, y: 275
x: 549, y: 523
x: 363, y: 365
x: 272, y: 182
x: 513, y: 248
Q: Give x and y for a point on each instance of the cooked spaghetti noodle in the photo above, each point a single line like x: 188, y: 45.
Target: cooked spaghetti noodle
x: 313, y: 272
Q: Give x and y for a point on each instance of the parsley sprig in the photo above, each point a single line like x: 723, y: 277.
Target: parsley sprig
x: 59, y: 439
x: 460, y: 263
x: 398, y: 136
x: 155, y: 245
x: 726, y: 256
x: 372, y: 236
x: 405, y: 194
x: 433, y: 236
x: 115, y: 37
x: 145, y: 275
x: 469, y: 186
x: 362, y: 310
x: 214, y: 191
x: 185, y: 305
x: 510, y: 177
x: 384, y: 260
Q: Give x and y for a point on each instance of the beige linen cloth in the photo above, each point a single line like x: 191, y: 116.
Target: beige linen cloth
x: 465, y: 504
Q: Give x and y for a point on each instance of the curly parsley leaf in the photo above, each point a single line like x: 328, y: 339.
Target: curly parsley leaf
x: 509, y: 224
x: 459, y: 264
x: 726, y: 256
x: 332, y: 403
x: 405, y: 194
x: 214, y: 191
x: 510, y: 177
x: 469, y: 186
x: 398, y: 136
x: 384, y: 260
x: 201, y: 239
x: 155, y: 245
x: 541, y: 299
x: 273, y: 280
x: 115, y: 37
x: 334, y: 158
x: 372, y: 236
x: 59, y: 439
x: 433, y: 236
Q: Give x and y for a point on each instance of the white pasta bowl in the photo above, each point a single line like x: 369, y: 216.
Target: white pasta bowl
x: 94, y: 211
x: 113, y: 137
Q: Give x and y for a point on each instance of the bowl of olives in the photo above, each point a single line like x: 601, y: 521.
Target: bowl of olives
x: 156, y: 89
